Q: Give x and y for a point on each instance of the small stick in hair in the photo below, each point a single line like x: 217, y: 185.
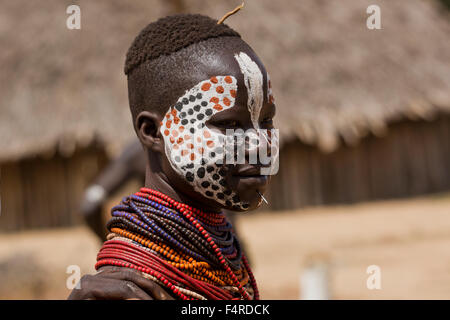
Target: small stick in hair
x: 231, y: 13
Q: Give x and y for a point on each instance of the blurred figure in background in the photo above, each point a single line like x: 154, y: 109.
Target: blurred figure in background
x: 130, y: 164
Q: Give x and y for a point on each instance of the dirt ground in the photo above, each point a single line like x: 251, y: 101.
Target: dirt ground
x: 408, y: 239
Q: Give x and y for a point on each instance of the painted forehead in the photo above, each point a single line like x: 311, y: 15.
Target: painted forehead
x: 207, y: 98
x: 210, y: 91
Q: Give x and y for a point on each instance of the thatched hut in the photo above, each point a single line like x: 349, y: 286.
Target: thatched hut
x: 372, y: 107
x: 364, y: 114
x: 64, y: 107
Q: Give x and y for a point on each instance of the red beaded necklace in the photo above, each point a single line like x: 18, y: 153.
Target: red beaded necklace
x: 133, y: 250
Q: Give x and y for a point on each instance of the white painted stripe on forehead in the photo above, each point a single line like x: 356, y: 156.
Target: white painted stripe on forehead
x: 253, y: 79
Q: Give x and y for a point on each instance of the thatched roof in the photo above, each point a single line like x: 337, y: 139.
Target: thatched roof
x: 333, y: 78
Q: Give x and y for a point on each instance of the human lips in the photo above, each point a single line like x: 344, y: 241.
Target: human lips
x: 251, y: 177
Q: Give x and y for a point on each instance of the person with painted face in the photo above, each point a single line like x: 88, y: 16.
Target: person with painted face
x: 193, y: 86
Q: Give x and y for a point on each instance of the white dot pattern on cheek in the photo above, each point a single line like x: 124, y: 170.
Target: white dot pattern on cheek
x: 194, y: 151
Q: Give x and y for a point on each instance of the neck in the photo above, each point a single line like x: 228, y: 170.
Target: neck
x: 158, y: 181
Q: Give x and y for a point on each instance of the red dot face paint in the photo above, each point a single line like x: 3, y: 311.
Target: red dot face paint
x: 197, y: 153
x: 185, y: 153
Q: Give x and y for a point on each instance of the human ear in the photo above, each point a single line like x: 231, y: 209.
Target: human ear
x: 147, y: 129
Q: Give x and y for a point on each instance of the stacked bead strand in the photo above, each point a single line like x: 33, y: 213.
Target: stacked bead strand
x: 193, y: 254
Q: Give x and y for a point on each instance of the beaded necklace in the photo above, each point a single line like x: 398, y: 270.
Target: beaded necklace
x: 193, y: 254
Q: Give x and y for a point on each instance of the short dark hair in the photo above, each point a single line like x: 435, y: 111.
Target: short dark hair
x: 158, y: 63
x: 170, y: 34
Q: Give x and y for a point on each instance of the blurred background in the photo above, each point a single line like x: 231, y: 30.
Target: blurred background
x: 364, y: 118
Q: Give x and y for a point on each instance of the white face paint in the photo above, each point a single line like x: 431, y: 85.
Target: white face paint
x: 197, y: 153
x: 253, y: 79
x: 194, y: 151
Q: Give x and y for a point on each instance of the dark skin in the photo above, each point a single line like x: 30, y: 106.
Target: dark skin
x: 161, y: 176
x: 114, y: 283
